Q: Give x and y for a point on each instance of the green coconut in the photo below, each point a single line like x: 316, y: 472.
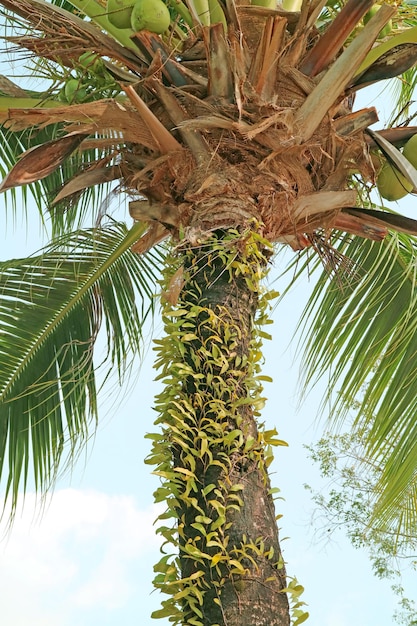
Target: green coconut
x: 119, y: 12
x: 91, y: 62
x: 150, y: 15
x: 74, y: 91
x: 392, y: 185
x: 373, y: 11
x: 410, y: 150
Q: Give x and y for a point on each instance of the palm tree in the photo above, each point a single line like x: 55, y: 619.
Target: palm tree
x: 232, y: 130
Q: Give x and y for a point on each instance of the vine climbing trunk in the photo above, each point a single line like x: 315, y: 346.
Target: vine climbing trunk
x: 211, y: 455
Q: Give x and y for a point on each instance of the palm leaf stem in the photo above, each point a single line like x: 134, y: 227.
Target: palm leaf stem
x: 336, y: 79
x: 329, y: 44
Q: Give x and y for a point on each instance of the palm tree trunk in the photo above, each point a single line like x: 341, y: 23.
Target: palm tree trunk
x: 230, y: 569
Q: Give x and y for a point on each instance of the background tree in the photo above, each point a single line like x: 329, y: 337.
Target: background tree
x: 235, y: 131
x: 345, y: 503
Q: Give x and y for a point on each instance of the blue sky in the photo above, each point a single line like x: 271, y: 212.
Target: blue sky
x: 87, y: 558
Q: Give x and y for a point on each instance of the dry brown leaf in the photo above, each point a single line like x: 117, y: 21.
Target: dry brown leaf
x: 96, y: 176
x: 329, y: 44
x: 220, y: 77
x: 337, y: 78
x: 400, y: 223
x: 362, y: 227
x: 175, y: 286
x: 153, y: 235
x: 40, y: 161
x: 322, y: 202
x: 61, y: 25
x: 265, y: 62
x: 393, y: 63
x: 11, y: 89
x: 398, y: 136
x: 178, y: 114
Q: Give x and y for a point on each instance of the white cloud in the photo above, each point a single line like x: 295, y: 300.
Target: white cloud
x: 79, y: 555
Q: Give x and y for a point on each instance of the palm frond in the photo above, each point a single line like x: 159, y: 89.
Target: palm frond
x: 51, y: 310
x: 364, y: 337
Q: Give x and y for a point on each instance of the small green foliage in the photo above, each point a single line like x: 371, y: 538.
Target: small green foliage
x: 295, y: 591
x: 349, y: 503
x: 211, y: 375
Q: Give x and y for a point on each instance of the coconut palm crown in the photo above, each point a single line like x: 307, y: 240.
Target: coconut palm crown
x: 232, y: 128
x: 211, y: 116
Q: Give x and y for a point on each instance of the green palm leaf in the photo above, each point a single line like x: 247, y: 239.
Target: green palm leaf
x: 51, y: 310
x: 364, y: 337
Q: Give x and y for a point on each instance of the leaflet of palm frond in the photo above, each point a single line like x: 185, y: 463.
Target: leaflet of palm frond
x: 52, y: 306
x: 332, y: 40
x: 56, y: 47
x: 40, y: 161
x: 397, y: 136
x: 148, y: 43
x: 46, y: 48
x: 93, y: 176
x: 337, y: 265
x: 360, y: 226
x: 400, y: 223
x: 381, y: 310
x: 393, y: 63
x: 394, y: 156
